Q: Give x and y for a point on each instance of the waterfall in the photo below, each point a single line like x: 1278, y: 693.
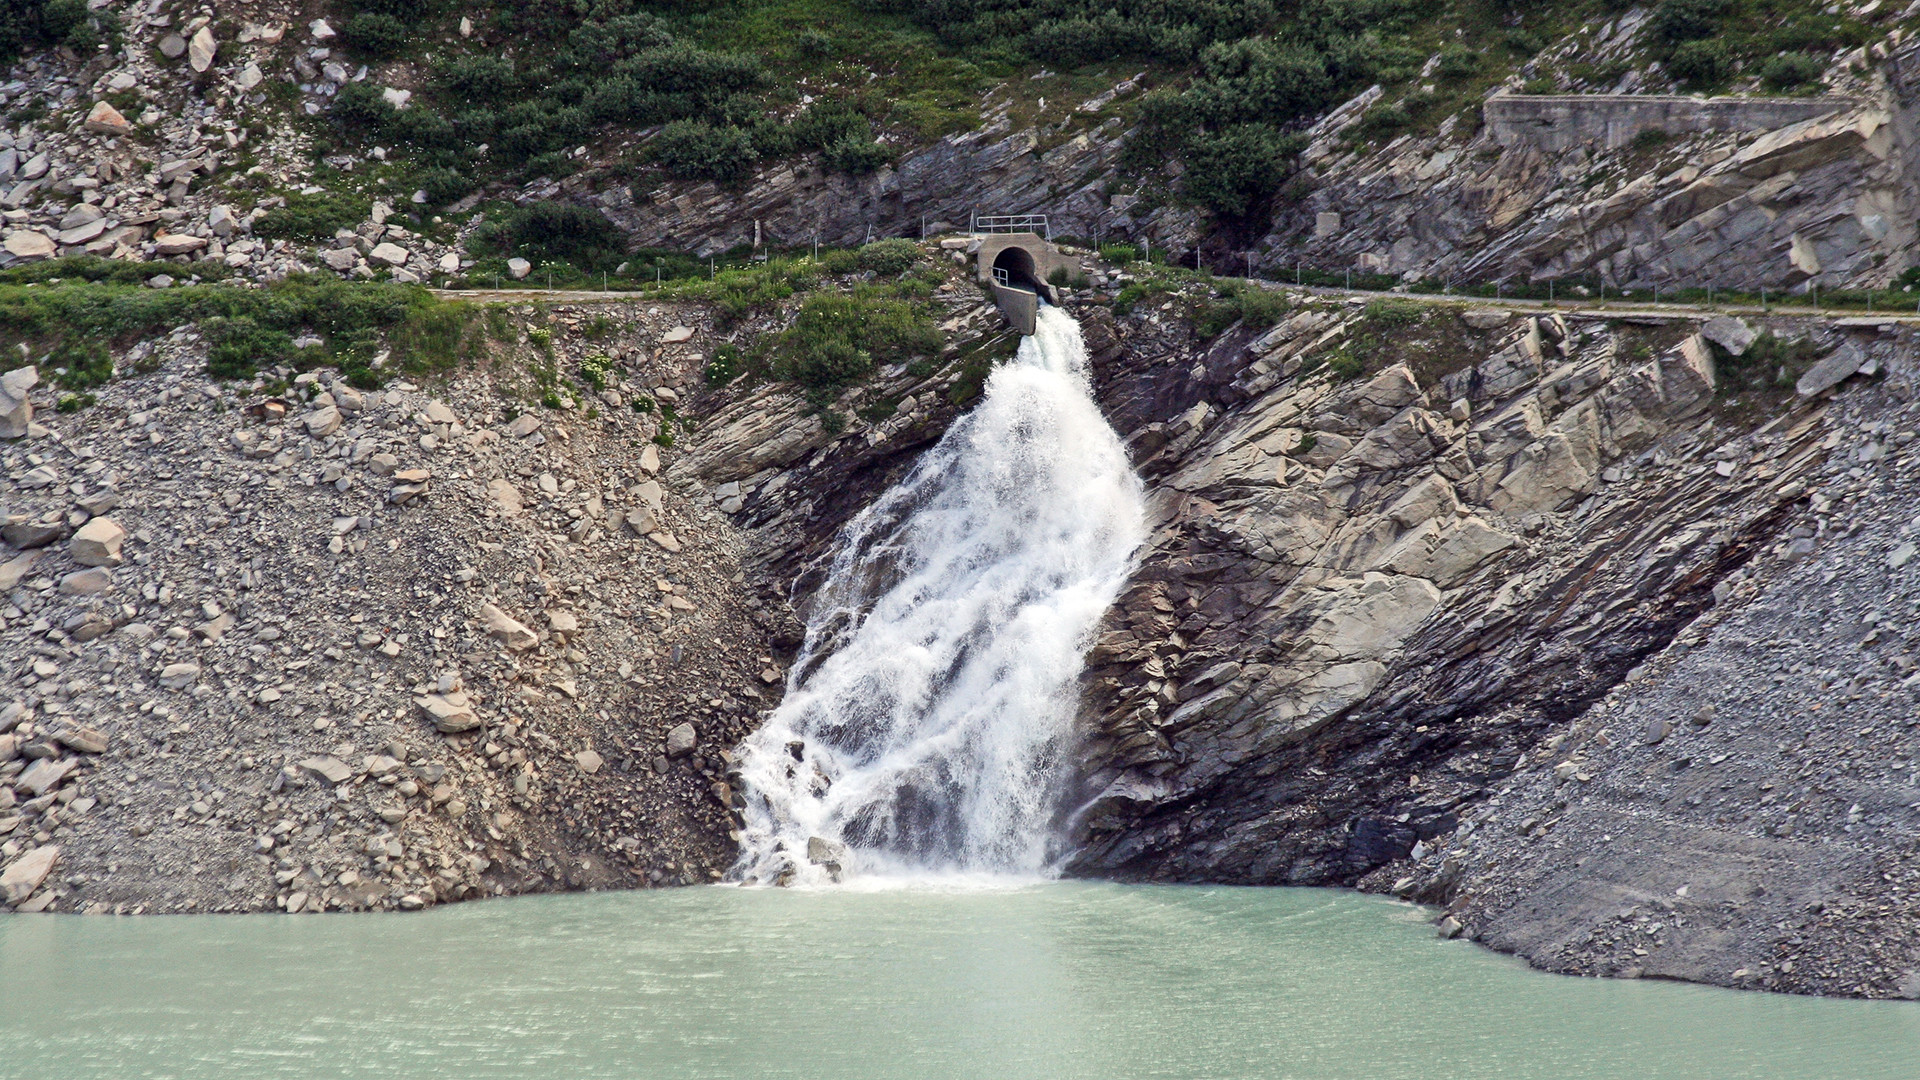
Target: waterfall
x: 927, y: 720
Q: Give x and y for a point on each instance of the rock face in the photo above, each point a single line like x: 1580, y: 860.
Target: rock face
x: 1784, y: 195
x: 1374, y: 643
x: 997, y: 165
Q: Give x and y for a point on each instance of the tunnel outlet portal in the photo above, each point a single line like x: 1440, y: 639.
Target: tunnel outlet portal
x: 1015, y: 266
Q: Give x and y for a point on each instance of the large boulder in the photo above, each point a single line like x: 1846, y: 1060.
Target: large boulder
x: 16, y: 412
x: 97, y: 543
x: 24, y: 874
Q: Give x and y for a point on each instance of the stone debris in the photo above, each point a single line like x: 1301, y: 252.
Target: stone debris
x: 295, y: 625
x: 97, y: 543
x: 450, y: 713
x: 23, y: 875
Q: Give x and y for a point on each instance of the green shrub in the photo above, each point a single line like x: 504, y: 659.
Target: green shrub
x: 696, y: 150
x: 595, y: 369
x: 408, y: 10
x: 359, y: 107
x: 1261, y: 308
x: 1791, y: 70
x: 725, y: 365
x: 81, y: 364
x: 444, y: 185
x: 240, y: 346
x: 375, y: 36
x: 1244, y: 303
x: 487, y: 77
x: 1770, y: 363
x: 857, y: 156
x: 1457, y: 63
x: 1393, y: 314
x: 33, y: 24
x: 314, y: 217
x: 1345, y: 366
x: 559, y: 232
x: 1235, y: 171
x: 1676, y: 21
x: 889, y: 258
x: 1119, y: 253
x: 1702, y: 63
x: 836, y: 340
x: 839, y: 261
x: 601, y: 44
x: 1136, y: 293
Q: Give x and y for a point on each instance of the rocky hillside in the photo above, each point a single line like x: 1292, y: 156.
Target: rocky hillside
x: 406, y: 139
x: 328, y: 649
x: 1494, y: 628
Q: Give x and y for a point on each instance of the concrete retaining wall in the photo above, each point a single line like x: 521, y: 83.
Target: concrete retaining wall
x: 1556, y: 122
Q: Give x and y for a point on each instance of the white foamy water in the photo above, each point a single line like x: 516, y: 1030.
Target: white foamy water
x: 927, y: 721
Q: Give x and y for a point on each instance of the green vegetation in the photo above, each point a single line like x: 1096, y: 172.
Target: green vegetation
x: 26, y: 25
x: 1769, y: 364
x: 714, y: 90
x: 1240, y: 302
x: 75, y: 322
x: 577, y: 72
x: 1393, y: 314
x: 579, y: 235
x: 836, y: 340
x: 1706, y: 43
x: 314, y: 217
x: 889, y: 258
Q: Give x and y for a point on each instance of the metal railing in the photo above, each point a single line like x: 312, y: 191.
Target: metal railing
x: 1010, y: 223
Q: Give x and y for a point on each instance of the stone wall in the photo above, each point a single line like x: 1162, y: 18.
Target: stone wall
x: 1559, y: 122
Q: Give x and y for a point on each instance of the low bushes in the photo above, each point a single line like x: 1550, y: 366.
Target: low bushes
x: 556, y: 232
x: 314, y: 217
x: 836, y: 340
x: 246, y: 328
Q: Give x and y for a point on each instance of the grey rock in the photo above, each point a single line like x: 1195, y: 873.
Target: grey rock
x: 681, y: 740
x: 1731, y: 334
x: 1832, y: 370
x: 25, y: 874
x: 328, y: 769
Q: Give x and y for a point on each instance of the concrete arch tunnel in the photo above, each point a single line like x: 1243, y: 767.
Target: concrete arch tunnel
x: 1015, y: 266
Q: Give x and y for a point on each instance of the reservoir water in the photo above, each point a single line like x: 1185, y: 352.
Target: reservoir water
x: 1050, y: 981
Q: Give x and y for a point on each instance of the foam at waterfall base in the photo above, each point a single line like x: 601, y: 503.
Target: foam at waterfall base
x: 927, y: 722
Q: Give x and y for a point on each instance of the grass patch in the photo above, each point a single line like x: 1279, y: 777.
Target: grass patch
x: 248, y: 330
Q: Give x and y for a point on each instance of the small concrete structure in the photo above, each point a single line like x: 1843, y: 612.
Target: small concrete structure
x: 1016, y: 265
x: 1557, y: 122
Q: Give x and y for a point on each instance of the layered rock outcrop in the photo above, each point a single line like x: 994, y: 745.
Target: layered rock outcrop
x: 1635, y: 192
x: 1374, y: 610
